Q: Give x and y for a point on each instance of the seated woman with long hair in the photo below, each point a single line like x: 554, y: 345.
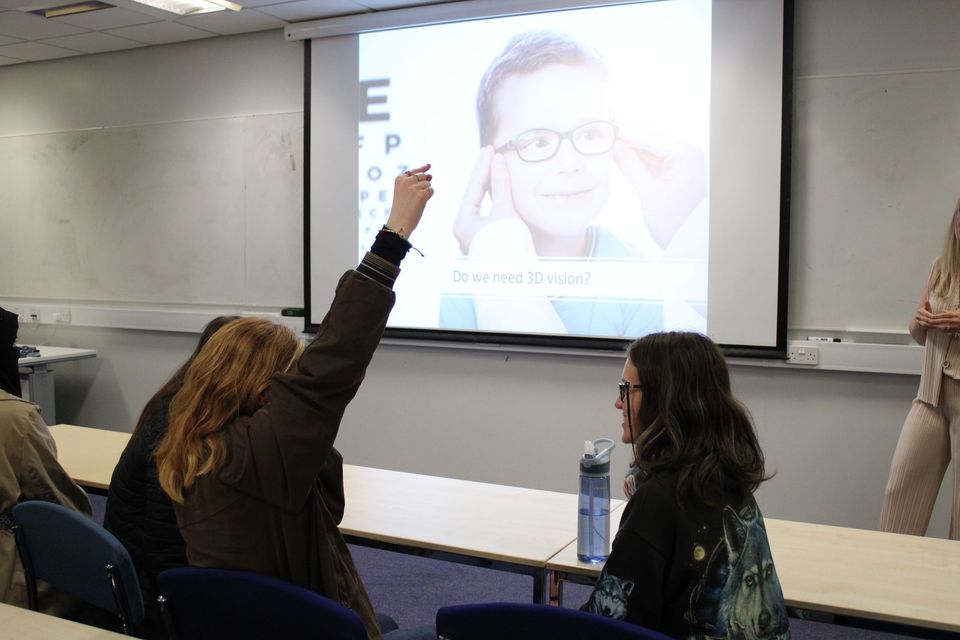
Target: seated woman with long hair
x: 138, y: 512
x: 691, y: 557
x: 248, y: 458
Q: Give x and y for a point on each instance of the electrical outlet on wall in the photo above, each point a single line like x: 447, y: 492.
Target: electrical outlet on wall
x: 809, y: 356
x: 30, y: 315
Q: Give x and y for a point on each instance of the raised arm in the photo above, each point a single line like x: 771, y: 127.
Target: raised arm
x: 283, y: 446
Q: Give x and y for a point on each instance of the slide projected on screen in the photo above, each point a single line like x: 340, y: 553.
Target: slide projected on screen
x: 570, y: 153
x: 601, y: 172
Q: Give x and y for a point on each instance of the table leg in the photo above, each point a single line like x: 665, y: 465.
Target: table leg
x: 39, y: 390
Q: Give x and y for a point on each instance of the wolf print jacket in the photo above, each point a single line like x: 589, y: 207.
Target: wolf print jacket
x: 697, y: 573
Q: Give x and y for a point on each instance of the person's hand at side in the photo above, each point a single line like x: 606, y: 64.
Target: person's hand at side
x: 489, y: 174
x: 411, y: 190
x: 669, y: 176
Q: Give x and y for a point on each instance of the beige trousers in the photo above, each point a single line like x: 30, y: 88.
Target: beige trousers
x: 929, y: 439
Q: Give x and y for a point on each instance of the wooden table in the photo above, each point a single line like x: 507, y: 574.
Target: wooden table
x: 855, y: 573
x: 910, y: 580
x: 24, y: 624
x: 34, y: 371
x: 507, y: 528
x: 89, y: 455
x: 501, y: 527
x: 862, y: 574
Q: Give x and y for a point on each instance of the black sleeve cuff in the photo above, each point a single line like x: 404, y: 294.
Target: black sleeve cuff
x: 390, y: 246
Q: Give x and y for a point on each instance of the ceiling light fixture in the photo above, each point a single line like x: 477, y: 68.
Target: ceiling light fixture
x: 71, y: 9
x: 191, y: 7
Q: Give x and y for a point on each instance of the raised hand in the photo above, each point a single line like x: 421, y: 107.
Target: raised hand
x: 411, y: 190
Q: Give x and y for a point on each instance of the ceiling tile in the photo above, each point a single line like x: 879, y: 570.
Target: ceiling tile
x: 8, y: 40
x: 94, y: 42
x: 230, y: 22
x: 27, y: 26
x: 161, y: 33
x: 35, y: 51
x: 111, y: 18
x: 381, y: 5
x: 312, y: 9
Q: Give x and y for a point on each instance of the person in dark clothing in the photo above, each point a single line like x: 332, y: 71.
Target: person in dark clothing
x: 248, y: 458
x: 138, y: 512
x: 691, y: 558
x: 9, y: 354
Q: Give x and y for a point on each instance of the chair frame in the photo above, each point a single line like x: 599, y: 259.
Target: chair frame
x: 112, y: 576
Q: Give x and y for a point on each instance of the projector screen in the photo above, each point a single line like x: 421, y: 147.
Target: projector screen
x: 601, y: 172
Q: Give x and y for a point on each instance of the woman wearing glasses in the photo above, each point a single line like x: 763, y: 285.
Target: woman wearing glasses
x: 691, y: 558
x: 549, y: 151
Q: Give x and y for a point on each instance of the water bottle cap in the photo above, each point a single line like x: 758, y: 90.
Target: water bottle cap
x: 596, y: 458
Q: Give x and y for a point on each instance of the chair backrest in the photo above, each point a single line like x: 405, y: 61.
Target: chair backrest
x: 78, y: 556
x: 216, y: 603
x: 533, y: 622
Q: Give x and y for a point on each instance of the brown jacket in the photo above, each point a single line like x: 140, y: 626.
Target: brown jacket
x: 29, y: 471
x: 274, y: 505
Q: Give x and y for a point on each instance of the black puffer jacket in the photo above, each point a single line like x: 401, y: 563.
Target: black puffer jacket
x: 141, y: 515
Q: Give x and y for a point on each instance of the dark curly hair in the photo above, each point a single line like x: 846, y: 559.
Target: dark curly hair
x: 690, y: 422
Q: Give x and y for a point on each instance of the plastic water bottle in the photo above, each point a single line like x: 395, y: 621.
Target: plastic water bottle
x: 593, y: 530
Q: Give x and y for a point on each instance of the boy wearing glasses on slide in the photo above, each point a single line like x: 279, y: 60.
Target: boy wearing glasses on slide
x: 549, y: 146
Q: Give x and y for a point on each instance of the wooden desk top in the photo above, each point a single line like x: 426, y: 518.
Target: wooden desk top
x: 49, y: 355
x: 89, y: 455
x: 509, y: 524
x: 866, y: 574
x: 494, y: 522
x: 884, y: 576
x: 24, y: 624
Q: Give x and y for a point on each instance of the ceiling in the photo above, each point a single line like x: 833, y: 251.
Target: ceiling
x: 26, y: 37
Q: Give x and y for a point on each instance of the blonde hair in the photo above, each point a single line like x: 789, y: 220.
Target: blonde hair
x: 948, y: 274
x: 226, y: 379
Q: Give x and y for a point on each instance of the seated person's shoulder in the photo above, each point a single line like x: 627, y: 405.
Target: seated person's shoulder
x: 16, y: 410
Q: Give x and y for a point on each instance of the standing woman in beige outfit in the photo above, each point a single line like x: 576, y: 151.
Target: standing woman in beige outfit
x: 931, y: 432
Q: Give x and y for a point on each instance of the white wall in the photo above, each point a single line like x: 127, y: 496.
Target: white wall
x: 491, y: 416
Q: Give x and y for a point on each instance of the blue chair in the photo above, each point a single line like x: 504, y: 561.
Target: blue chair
x: 207, y: 604
x: 506, y: 620
x: 78, y: 556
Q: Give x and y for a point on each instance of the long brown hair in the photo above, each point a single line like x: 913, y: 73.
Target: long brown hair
x: 170, y: 388
x: 226, y: 379
x: 690, y: 423
x: 947, y: 278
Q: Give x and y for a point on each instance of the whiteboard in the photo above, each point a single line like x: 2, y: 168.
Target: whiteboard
x: 199, y: 212
x: 876, y: 176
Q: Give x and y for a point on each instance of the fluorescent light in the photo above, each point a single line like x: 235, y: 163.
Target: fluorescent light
x: 71, y: 9
x: 191, y: 7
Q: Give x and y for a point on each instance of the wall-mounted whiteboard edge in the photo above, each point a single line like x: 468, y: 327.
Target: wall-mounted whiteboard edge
x: 138, y: 318
x: 900, y: 359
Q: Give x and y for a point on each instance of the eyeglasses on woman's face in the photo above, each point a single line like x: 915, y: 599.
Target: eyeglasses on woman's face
x: 625, y: 387
x: 539, y: 145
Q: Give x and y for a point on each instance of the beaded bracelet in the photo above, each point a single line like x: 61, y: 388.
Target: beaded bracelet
x: 387, y: 227
x: 390, y: 229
